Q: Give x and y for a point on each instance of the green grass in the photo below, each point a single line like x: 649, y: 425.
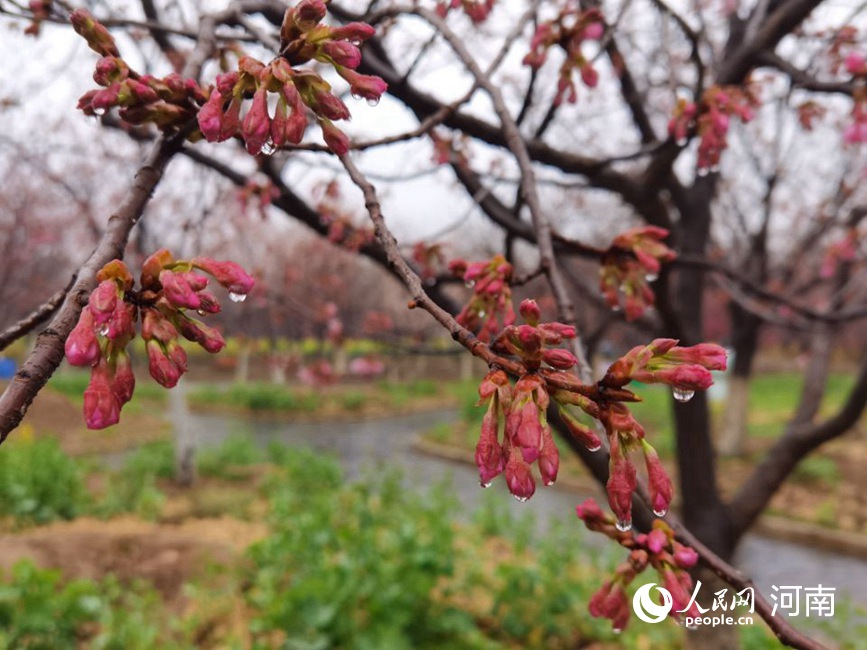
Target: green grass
x: 255, y: 397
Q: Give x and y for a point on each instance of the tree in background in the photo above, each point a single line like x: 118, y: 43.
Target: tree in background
x: 677, y: 149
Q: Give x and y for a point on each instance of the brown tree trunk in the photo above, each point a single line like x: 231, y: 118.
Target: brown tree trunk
x: 745, y: 340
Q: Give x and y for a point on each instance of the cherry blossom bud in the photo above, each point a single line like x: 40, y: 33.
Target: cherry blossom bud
x: 364, y: 86
x: 489, y: 454
x: 208, y: 337
x: 549, y: 459
x: 123, y: 384
x: 353, y: 32
x: 155, y: 326
x: 658, y: 482
x: 684, y: 556
x: 621, y: 484
x: 656, y: 541
x: 163, y: 369
x: 96, y: 35
x: 855, y: 62
x: 585, y: 435
x: 530, y: 312
x: 210, y: 118
x: 334, y: 137
x: 119, y: 272
x: 109, y: 69
x: 342, y: 53
x: 708, y: 355
x: 178, y: 291
x: 589, y: 76
x: 82, y: 348
x: 554, y: 333
x: 256, y: 127
x: 589, y: 511
x: 153, y: 266
x: 326, y: 104
x: 103, y: 301
x: 121, y: 325
x: 308, y: 13
x: 230, y: 275
x: 519, y: 478
x: 559, y: 358
x: 612, y: 603
x: 209, y: 303
x: 101, y: 407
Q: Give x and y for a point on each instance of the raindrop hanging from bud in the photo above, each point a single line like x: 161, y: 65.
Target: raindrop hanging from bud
x: 623, y: 525
x: 237, y: 297
x: 682, y: 395
x: 651, y: 277
x: 268, y: 148
x: 682, y: 142
x: 201, y: 312
x: 594, y: 447
x: 469, y: 284
x: 99, y: 111
x: 521, y: 499
x: 372, y: 101
x: 485, y: 485
x: 549, y: 482
x: 660, y: 513
x: 103, y: 331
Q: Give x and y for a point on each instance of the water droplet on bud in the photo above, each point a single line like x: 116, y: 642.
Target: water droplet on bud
x: 682, y: 395
x: 651, y: 277
x: 103, y: 331
x: 702, y: 171
x: 660, y: 513
x: 594, y: 447
x: 521, y: 499
x: 99, y: 111
x: 372, y: 101
x: 469, y: 284
x: 483, y: 313
x: 268, y: 148
x: 237, y: 297
x: 624, y: 525
x: 357, y: 95
x: 681, y: 142
x: 201, y: 312
x: 549, y: 483
x: 485, y: 485
x: 616, y: 630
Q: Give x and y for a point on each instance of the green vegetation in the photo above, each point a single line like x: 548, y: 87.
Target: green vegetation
x: 230, y: 460
x: 39, y: 483
x: 254, y: 397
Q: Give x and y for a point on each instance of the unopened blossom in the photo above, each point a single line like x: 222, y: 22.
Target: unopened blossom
x: 82, y: 347
x: 101, y: 406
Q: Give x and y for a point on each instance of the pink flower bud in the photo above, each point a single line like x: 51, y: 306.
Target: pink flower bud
x: 658, y: 482
x: 363, y: 86
x: 559, y: 358
x: 230, y: 275
x: 709, y: 355
x: 121, y: 325
x: 334, y: 137
x: 489, y: 454
x: 549, y: 459
x: 519, y: 478
x: 589, y: 76
x: 342, y: 53
x: 589, y: 511
x: 178, y: 291
x: 153, y: 266
x: 103, y: 301
x: 101, y: 407
x: 353, y: 32
x: 210, y: 117
x: 326, y: 105
x: 585, y: 435
x: 308, y: 13
x: 123, y: 384
x: 530, y: 312
x: 656, y: 541
x: 684, y: 556
x: 256, y: 127
x: 208, y: 337
x: 621, y: 484
x: 855, y: 63
x: 96, y: 35
x: 163, y: 369
x: 611, y: 602
x: 82, y: 348
x: 156, y: 327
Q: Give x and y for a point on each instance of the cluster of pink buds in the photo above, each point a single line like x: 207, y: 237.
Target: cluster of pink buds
x: 711, y: 119
x: 658, y: 549
x: 526, y: 436
x: 342, y: 231
x: 303, y: 38
x: 169, y: 288
x: 686, y: 370
x: 629, y: 265
x: 168, y: 102
x: 569, y: 30
x: 490, y: 308
x: 476, y: 10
